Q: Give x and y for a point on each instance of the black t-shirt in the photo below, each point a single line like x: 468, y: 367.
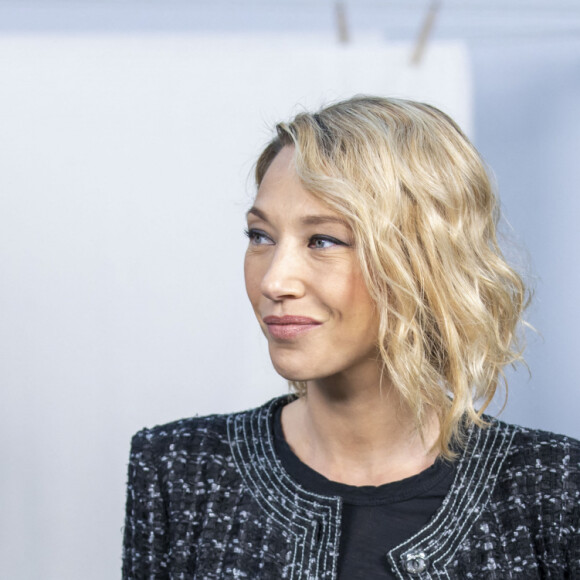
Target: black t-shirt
x: 375, y: 519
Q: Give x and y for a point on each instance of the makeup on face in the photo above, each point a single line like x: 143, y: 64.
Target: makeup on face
x: 304, y: 280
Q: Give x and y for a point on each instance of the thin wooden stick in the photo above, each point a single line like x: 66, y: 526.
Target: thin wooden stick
x: 425, y: 32
x: 341, y: 23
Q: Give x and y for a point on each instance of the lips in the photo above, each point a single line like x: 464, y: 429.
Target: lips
x: 289, y: 327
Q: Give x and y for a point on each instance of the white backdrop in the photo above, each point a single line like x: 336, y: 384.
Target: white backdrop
x: 124, y: 177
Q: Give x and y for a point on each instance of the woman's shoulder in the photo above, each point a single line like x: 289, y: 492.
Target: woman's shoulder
x: 179, y: 433
x: 542, y: 439
x: 209, y: 432
x: 540, y: 447
x: 539, y: 459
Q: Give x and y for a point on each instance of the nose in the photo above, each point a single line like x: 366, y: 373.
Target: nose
x: 284, y: 277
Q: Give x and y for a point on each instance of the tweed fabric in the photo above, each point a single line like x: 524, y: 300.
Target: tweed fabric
x: 209, y: 499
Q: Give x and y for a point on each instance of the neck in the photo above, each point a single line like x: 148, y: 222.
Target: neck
x: 358, y: 436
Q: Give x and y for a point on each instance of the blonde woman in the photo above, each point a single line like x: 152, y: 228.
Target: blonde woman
x: 375, y: 274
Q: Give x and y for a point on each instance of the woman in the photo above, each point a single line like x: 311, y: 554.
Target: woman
x: 375, y: 274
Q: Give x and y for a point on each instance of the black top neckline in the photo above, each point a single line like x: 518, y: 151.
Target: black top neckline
x: 397, y: 491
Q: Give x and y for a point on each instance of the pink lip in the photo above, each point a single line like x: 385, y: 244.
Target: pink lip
x: 289, y: 327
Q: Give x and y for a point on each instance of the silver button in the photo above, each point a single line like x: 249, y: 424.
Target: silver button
x: 416, y: 562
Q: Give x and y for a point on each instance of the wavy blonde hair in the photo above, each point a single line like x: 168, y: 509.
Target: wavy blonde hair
x: 423, y: 214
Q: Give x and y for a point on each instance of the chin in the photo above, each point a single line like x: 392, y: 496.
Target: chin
x: 291, y: 371
x: 300, y: 366
x: 291, y: 374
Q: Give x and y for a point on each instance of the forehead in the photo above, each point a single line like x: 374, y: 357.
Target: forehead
x: 282, y: 193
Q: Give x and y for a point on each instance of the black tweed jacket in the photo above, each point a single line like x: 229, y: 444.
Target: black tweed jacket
x: 209, y: 499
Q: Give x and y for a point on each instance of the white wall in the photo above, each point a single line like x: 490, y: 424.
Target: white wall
x: 124, y: 164
x: 527, y: 125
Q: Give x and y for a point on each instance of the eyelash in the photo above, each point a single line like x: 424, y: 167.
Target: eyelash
x: 250, y: 233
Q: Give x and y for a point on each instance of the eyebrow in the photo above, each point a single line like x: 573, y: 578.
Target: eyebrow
x: 308, y: 220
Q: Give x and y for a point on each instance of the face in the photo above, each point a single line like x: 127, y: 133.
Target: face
x: 305, y: 284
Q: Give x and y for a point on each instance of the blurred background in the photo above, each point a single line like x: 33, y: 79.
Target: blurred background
x: 128, y: 131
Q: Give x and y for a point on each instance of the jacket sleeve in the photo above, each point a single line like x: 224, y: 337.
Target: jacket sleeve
x: 573, y: 531
x: 145, y: 547
x: 574, y: 554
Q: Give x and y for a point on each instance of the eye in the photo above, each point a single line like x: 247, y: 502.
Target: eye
x: 323, y: 242
x: 258, y: 237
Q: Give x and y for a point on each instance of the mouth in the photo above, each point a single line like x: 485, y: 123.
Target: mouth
x: 289, y: 327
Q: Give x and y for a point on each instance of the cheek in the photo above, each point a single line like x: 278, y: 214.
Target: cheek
x: 362, y: 307
x: 253, y: 279
x: 346, y: 284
